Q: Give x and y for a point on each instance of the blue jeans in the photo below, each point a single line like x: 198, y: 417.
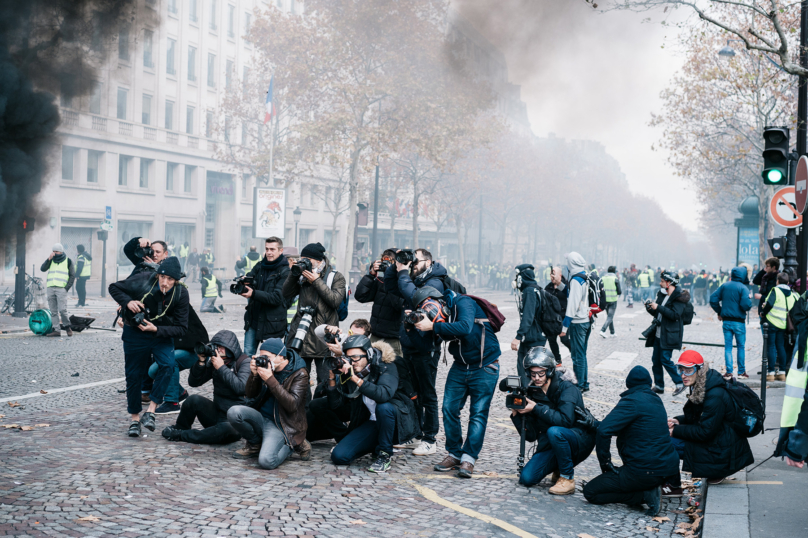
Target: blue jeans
x: 579, y: 341
x: 737, y: 329
x: 479, y: 385
x: 209, y: 305
x: 251, y: 342
x: 564, y: 445
x: 184, y: 359
x: 777, y: 349
x: 662, y: 358
x: 138, y: 348
x: 372, y: 436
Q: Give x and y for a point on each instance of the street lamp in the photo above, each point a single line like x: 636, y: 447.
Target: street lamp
x: 727, y: 52
x: 297, y: 212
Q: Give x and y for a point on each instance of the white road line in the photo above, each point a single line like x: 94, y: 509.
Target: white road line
x: 617, y: 361
x: 628, y: 316
x: 65, y: 389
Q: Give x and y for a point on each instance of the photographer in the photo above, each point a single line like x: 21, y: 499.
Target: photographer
x: 265, y: 313
x: 411, y: 272
x: 550, y: 420
x: 388, y: 309
x: 530, y: 333
x: 643, y: 442
x: 211, y: 289
x: 474, y: 346
x: 145, y: 255
x: 381, y: 414
x: 273, y: 423
x: 164, y: 305
x: 667, y: 331
x: 229, y: 369
x: 308, y: 282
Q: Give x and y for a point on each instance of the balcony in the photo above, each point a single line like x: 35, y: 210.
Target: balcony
x: 124, y: 128
x: 99, y: 124
x: 149, y: 133
x: 172, y: 138
x: 70, y: 118
x: 193, y: 142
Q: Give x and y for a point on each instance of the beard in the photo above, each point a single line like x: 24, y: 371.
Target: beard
x: 419, y: 269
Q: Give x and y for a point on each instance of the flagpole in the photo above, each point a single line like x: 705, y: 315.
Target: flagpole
x: 272, y: 151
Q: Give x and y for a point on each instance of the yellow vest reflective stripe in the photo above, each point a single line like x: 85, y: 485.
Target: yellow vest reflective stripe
x: 251, y: 263
x: 645, y: 280
x: 796, y: 381
x: 610, y: 287
x: 782, y: 305
x: 212, y: 290
x: 291, y: 311
x: 87, y: 268
x: 58, y: 274
x: 184, y: 251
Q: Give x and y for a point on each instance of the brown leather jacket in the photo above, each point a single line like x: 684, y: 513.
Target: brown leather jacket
x: 289, y: 402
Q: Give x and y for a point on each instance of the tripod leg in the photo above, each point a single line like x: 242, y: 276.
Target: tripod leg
x: 520, y: 463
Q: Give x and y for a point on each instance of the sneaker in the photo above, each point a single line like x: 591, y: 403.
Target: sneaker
x: 672, y: 491
x: 304, y: 450
x: 249, y: 451
x: 781, y: 376
x: 743, y: 376
x: 425, y: 449
x: 466, y: 470
x: 183, y: 396
x: 382, y: 463
x: 680, y: 388
x: 715, y: 481
x: 658, y: 390
x: 612, y: 335
x: 167, y: 408
x: 449, y: 463
x: 144, y: 397
x: 148, y: 421
x: 564, y: 486
x: 603, y: 334
x: 653, y: 499
x: 771, y: 376
x: 134, y: 429
x: 69, y: 331
x: 412, y: 443
x: 55, y: 334
x: 172, y: 433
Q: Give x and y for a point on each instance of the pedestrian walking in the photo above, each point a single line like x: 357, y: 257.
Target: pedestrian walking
x: 577, y: 321
x: 731, y: 302
x: 610, y: 287
x: 61, y: 274
x: 84, y: 268
x: 193, y: 266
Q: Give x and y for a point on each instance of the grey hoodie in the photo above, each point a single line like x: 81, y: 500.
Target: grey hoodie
x: 577, y: 307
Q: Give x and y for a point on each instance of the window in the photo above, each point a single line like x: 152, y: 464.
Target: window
x: 146, y: 110
x: 213, y: 14
x: 279, y: 3
x: 231, y: 21
x: 247, y: 24
x: 189, y: 176
x: 95, y: 99
x: 148, y: 60
x: 245, y: 185
x: 192, y: 11
x: 245, y: 135
x: 122, y: 94
x: 209, y: 124
x: 123, y: 42
x: 172, y: 6
x: 123, y: 169
x: 228, y: 74
x: 169, y: 115
x: 66, y: 96
x: 304, y: 236
x: 313, y: 195
x: 227, y: 128
x: 93, y: 160
x: 211, y: 70
x: 145, y: 165
x: 189, y: 120
x: 172, y: 45
x: 68, y: 162
x: 171, y: 169
x: 192, y: 64
x: 245, y: 77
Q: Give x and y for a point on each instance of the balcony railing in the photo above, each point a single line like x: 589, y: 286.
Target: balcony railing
x: 99, y: 124
x: 150, y: 133
x: 70, y: 118
x: 172, y: 138
x: 125, y: 128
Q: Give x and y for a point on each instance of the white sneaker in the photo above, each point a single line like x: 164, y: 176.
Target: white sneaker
x: 603, y: 334
x: 412, y: 443
x: 612, y: 336
x: 425, y: 449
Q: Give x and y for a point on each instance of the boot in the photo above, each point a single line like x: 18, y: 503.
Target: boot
x: 304, y: 450
x: 69, y: 331
x: 55, y: 334
x: 780, y: 376
x: 249, y: 451
x: 564, y: 486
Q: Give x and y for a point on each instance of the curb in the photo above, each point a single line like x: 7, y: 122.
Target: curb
x: 769, y: 384
x: 726, y: 509
x: 15, y: 331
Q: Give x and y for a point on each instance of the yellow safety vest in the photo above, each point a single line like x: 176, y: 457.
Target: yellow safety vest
x: 184, y: 251
x: 87, y: 268
x: 547, y: 273
x: 291, y: 311
x: 782, y: 305
x: 796, y: 382
x: 251, y: 263
x: 610, y: 287
x: 645, y: 280
x: 723, y: 279
x: 58, y: 274
x: 212, y: 289
x: 208, y: 258
x: 650, y: 274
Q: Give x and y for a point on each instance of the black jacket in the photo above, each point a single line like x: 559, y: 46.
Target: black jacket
x: 672, y: 329
x: 266, y: 309
x: 530, y: 333
x: 230, y: 380
x: 712, y: 447
x: 400, y: 284
x: 388, y: 309
x: 196, y: 333
x: 766, y: 282
x: 560, y: 293
x: 143, y: 286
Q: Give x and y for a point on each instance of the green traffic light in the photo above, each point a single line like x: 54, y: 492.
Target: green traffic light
x: 775, y: 176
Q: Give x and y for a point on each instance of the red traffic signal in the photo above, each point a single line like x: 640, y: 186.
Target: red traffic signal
x: 28, y: 224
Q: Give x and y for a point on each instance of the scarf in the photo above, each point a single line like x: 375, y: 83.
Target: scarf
x: 271, y: 266
x: 59, y: 258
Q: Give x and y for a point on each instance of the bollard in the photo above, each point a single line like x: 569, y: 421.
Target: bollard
x: 764, y: 366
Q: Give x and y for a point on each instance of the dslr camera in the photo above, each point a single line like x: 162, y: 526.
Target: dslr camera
x: 384, y: 265
x: 205, y: 350
x: 336, y: 363
x: 134, y: 318
x: 405, y: 256
x: 414, y: 317
x: 239, y: 285
x: 517, y: 394
x: 304, y: 264
x: 331, y: 338
x: 144, y: 252
x: 262, y: 361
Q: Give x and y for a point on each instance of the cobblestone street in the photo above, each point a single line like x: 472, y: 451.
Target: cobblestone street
x: 82, y: 476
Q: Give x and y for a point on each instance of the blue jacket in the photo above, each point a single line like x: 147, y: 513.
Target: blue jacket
x: 465, y: 336
x: 399, y: 284
x: 731, y: 301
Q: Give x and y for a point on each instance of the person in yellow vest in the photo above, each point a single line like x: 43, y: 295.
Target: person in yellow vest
x: 610, y: 285
x: 84, y: 268
x: 246, y: 264
x: 644, y: 285
x: 775, y: 310
x: 793, y: 442
x: 211, y: 289
x: 61, y: 274
x: 184, y: 250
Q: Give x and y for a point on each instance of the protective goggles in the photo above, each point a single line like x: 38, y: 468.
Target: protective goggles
x: 687, y: 370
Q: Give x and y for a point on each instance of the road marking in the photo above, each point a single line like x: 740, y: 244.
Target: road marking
x: 617, y: 361
x: 629, y: 316
x: 598, y: 401
x: 755, y: 482
x: 435, y: 498
x: 65, y: 389
x: 430, y: 476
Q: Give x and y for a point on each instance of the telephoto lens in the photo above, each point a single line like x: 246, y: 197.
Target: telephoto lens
x: 302, y: 328
x: 144, y: 252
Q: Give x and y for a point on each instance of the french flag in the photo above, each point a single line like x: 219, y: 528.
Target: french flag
x: 269, y: 104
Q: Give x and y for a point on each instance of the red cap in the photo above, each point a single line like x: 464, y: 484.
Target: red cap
x: 690, y: 358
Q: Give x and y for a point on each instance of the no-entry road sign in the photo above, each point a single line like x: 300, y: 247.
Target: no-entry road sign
x: 783, y: 210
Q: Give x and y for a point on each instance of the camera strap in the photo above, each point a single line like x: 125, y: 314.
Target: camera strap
x: 171, y: 300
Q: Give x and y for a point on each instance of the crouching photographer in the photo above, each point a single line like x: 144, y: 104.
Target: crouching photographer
x: 381, y: 414
x: 550, y: 420
x: 222, y: 362
x: 273, y: 422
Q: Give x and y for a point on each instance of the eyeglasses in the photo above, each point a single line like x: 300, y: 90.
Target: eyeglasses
x: 355, y: 358
x: 540, y: 373
x: 687, y: 370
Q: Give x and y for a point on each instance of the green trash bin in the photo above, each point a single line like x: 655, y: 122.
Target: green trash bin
x: 40, y: 322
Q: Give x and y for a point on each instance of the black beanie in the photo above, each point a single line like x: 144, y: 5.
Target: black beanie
x: 170, y: 267
x: 638, y: 376
x: 315, y: 251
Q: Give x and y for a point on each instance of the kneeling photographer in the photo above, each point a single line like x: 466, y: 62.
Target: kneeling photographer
x: 273, y: 422
x: 381, y: 413
x: 154, y: 308
x: 550, y: 420
x: 222, y: 362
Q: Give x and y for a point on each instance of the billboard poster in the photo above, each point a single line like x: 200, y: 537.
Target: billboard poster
x: 748, y: 246
x: 269, y: 212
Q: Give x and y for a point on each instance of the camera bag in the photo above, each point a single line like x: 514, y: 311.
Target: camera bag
x: 550, y: 318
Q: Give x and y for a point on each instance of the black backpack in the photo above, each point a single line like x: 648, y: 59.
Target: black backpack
x: 687, y: 314
x: 450, y: 283
x: 551, y: 318
x: 749, y: 413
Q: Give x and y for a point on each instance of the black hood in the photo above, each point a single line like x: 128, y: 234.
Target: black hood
x: 229, y: 341
x: 253, y: 255
x: 638, y: 376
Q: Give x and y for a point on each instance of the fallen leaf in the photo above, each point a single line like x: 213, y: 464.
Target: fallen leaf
x: 661, y: 519
x: 652, y: 529
x: 679, y: 531
x: 676, y: 401
x: 83, y: 497
x: 14, y: 404
x: 585, y: 535
x: 2, y: 416
x: 88, y: 518
x: 42, y: 425
x: 489, y: 473
x: 27, y: 428
x: 11, y: 425
x: 357, y: 522
x: 43, y: 391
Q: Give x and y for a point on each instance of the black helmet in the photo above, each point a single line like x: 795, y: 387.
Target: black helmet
x: 358, y: 341
x: 424, y: 293
x: 670, y: 277
x: 539, y: 357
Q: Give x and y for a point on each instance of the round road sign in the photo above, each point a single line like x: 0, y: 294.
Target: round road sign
x: 782, y: 208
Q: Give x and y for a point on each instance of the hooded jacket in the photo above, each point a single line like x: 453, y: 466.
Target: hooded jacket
x: 766, y: 281
x: 325, y: 302
x: 639, y: 421
x: 530, y: 333
x: 400, y: 284
x: 229, y: 380
x: 577, y: 293
x: 672, y: 327
x: 473, y: 345
x: 172, y: 308
x: 266, y: 309
x: 388, y: 308
x: 731, y: 301
x: 712, y: 447
x: 252, y: 256
x: 381, y: 385
x: 560, y: 293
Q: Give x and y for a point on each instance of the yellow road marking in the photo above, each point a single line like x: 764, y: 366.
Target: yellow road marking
x: 755, y: 482
x: 435, y: 498
x: 430, y: 476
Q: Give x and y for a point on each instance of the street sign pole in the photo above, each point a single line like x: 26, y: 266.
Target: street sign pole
x: 802, y: 135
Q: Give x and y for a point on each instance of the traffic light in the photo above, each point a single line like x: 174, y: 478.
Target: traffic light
x: 27, y: 224
x: 775, y: 155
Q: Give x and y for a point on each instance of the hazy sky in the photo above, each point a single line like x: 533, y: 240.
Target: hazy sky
x: 586, y: 74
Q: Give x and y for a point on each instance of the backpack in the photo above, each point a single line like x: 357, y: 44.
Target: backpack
x: 687, y: 314
x: 342, y: 309
x: 749, y: 414
x: 596, y: 303
x: 491, y: 312
x: 551, y: 320
x: 450, y: 283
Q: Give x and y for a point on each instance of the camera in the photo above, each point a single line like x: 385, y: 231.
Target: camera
x: 413, y: 317
x: 304, y: 264
x: 262, y: 361
x: 303, y: 326
x: 134, y: 319
x: 144, y: 252
x: 405, y: 256
x: 205, y: 350
x: 331, y: 338
x: 335, y: 363
x: 517, y: 394
x: 384, y: 265
x: 239, y: 285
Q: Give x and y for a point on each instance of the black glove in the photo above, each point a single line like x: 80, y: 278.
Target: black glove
x: 585, y: 419
x: 608, y: 467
